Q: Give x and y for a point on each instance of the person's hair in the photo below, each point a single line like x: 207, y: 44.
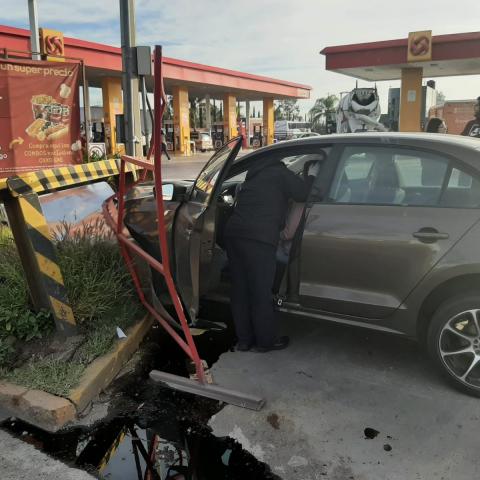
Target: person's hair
x: 433, y: 124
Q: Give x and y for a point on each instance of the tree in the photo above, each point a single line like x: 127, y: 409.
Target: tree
x: 440, y: 98
x: 287, y: 110
x: 278, y: 113
x: 322, y: 110
x: 194, y: 112
x: 168, y: 114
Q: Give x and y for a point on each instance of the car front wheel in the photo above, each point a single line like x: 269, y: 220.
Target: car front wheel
x: 454, y: 341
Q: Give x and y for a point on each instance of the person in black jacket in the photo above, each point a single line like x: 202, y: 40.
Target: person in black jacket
x: 472, y: 128
x: 251, y: 235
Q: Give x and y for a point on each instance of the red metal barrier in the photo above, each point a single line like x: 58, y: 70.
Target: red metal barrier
x: 127, y: 245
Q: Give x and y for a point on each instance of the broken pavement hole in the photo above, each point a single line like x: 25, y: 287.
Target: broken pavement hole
x: 370, y: 433
x: 387, y: 447
x: 168, y: 434
x: 146, y: 418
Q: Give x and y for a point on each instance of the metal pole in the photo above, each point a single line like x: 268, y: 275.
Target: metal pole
x: 146, y: 130
x: 86, y: 111
x: 34, y: 33
x: 247, y: 121
x: 208, y: 113
x: 127, y: 29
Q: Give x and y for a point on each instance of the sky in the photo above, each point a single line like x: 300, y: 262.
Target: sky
x: 276, y: 38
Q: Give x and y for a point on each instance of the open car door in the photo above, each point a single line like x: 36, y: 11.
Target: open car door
x: 194, y: 231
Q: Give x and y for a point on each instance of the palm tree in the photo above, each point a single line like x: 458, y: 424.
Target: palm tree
x: 321, y: 110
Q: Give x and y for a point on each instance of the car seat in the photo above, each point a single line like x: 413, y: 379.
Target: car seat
x: 383, y: 183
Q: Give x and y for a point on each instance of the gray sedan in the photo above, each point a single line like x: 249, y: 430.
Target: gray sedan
x: 389, y: 238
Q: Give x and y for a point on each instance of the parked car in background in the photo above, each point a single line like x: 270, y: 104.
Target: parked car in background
x: 305, y: 135
x: 389, y: 239
x: 288, y: 129
x: 203, y: 140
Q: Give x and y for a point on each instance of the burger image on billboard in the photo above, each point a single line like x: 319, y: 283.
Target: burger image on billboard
x: 51, y: 118
x: 41, y: 105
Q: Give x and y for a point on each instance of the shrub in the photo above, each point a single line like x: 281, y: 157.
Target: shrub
x: 94, y: 272
x: 17, y: 318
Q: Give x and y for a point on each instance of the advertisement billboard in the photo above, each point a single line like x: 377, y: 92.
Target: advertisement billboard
x: 39, y: 115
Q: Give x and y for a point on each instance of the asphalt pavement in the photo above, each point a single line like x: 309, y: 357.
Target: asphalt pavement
x: 345, y: 403
x: 187, y: 168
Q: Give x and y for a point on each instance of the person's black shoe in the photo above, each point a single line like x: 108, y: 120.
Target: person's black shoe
x: 280, y: 344
x: 242, y: 347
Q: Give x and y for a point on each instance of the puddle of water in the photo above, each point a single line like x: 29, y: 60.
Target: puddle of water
x: 167, y: 447
x: 151, y: 425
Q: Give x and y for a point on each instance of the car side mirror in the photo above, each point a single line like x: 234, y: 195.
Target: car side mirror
x: 172, y: 192
x: 167, y: 191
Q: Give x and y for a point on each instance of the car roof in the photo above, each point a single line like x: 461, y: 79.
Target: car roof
x: 465, y: 148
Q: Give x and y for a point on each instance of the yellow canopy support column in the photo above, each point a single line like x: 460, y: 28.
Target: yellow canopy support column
x: 112, y: 106
x: 268, y: 120
x: 411, y: 100
x: 230, y: 116
x: 181, y: 120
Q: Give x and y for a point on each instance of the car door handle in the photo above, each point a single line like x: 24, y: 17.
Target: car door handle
x: 430, y: 235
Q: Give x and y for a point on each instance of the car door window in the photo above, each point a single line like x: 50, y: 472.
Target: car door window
x: 208, y: 177
x: 463, y: 191
x: 388, y: 176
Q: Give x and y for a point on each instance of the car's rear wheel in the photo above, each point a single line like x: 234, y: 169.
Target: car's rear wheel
x: 454, y: 341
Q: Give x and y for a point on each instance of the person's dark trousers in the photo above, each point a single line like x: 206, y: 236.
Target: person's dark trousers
x: 252, y: 266
x: 165, y: 151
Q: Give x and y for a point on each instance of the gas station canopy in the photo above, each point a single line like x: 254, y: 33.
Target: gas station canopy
x: 456, y: 54
x: 106, y: 61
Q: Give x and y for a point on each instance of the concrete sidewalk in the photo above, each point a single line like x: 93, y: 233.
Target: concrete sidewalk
x: 19, y: 460
x: 330, y: 385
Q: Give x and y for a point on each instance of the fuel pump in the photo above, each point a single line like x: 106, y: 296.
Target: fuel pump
x: 257, y: 136
x: 242, y: 130
x: 218, y: 135
x: 169, y: 135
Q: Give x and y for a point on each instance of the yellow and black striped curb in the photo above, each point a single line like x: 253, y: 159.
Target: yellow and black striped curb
x: 113, y: 448
x: 51, y: 276
x: 44, y: 181
x: 25, y: 188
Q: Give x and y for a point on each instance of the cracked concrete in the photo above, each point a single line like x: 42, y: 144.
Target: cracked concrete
x: 331, y: 384
x: 20, y: 460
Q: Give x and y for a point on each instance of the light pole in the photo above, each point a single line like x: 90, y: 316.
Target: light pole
x: 131, y: 107
x: 34, y: 33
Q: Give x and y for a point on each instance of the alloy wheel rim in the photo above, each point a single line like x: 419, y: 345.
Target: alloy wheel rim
x: 459, y: 347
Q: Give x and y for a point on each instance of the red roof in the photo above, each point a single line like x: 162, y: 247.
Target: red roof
x: 453, y: 54
x: 107, y: 57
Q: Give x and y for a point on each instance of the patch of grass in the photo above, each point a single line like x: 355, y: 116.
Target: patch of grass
x: 59, y: 377
x: 100, y: 338
x: 18, y: 321
x: 52, y: 376
x: 94, y: 272
x: 101, y: 294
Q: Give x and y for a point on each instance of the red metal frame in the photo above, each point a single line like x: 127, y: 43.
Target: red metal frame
x: 127, y: 246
